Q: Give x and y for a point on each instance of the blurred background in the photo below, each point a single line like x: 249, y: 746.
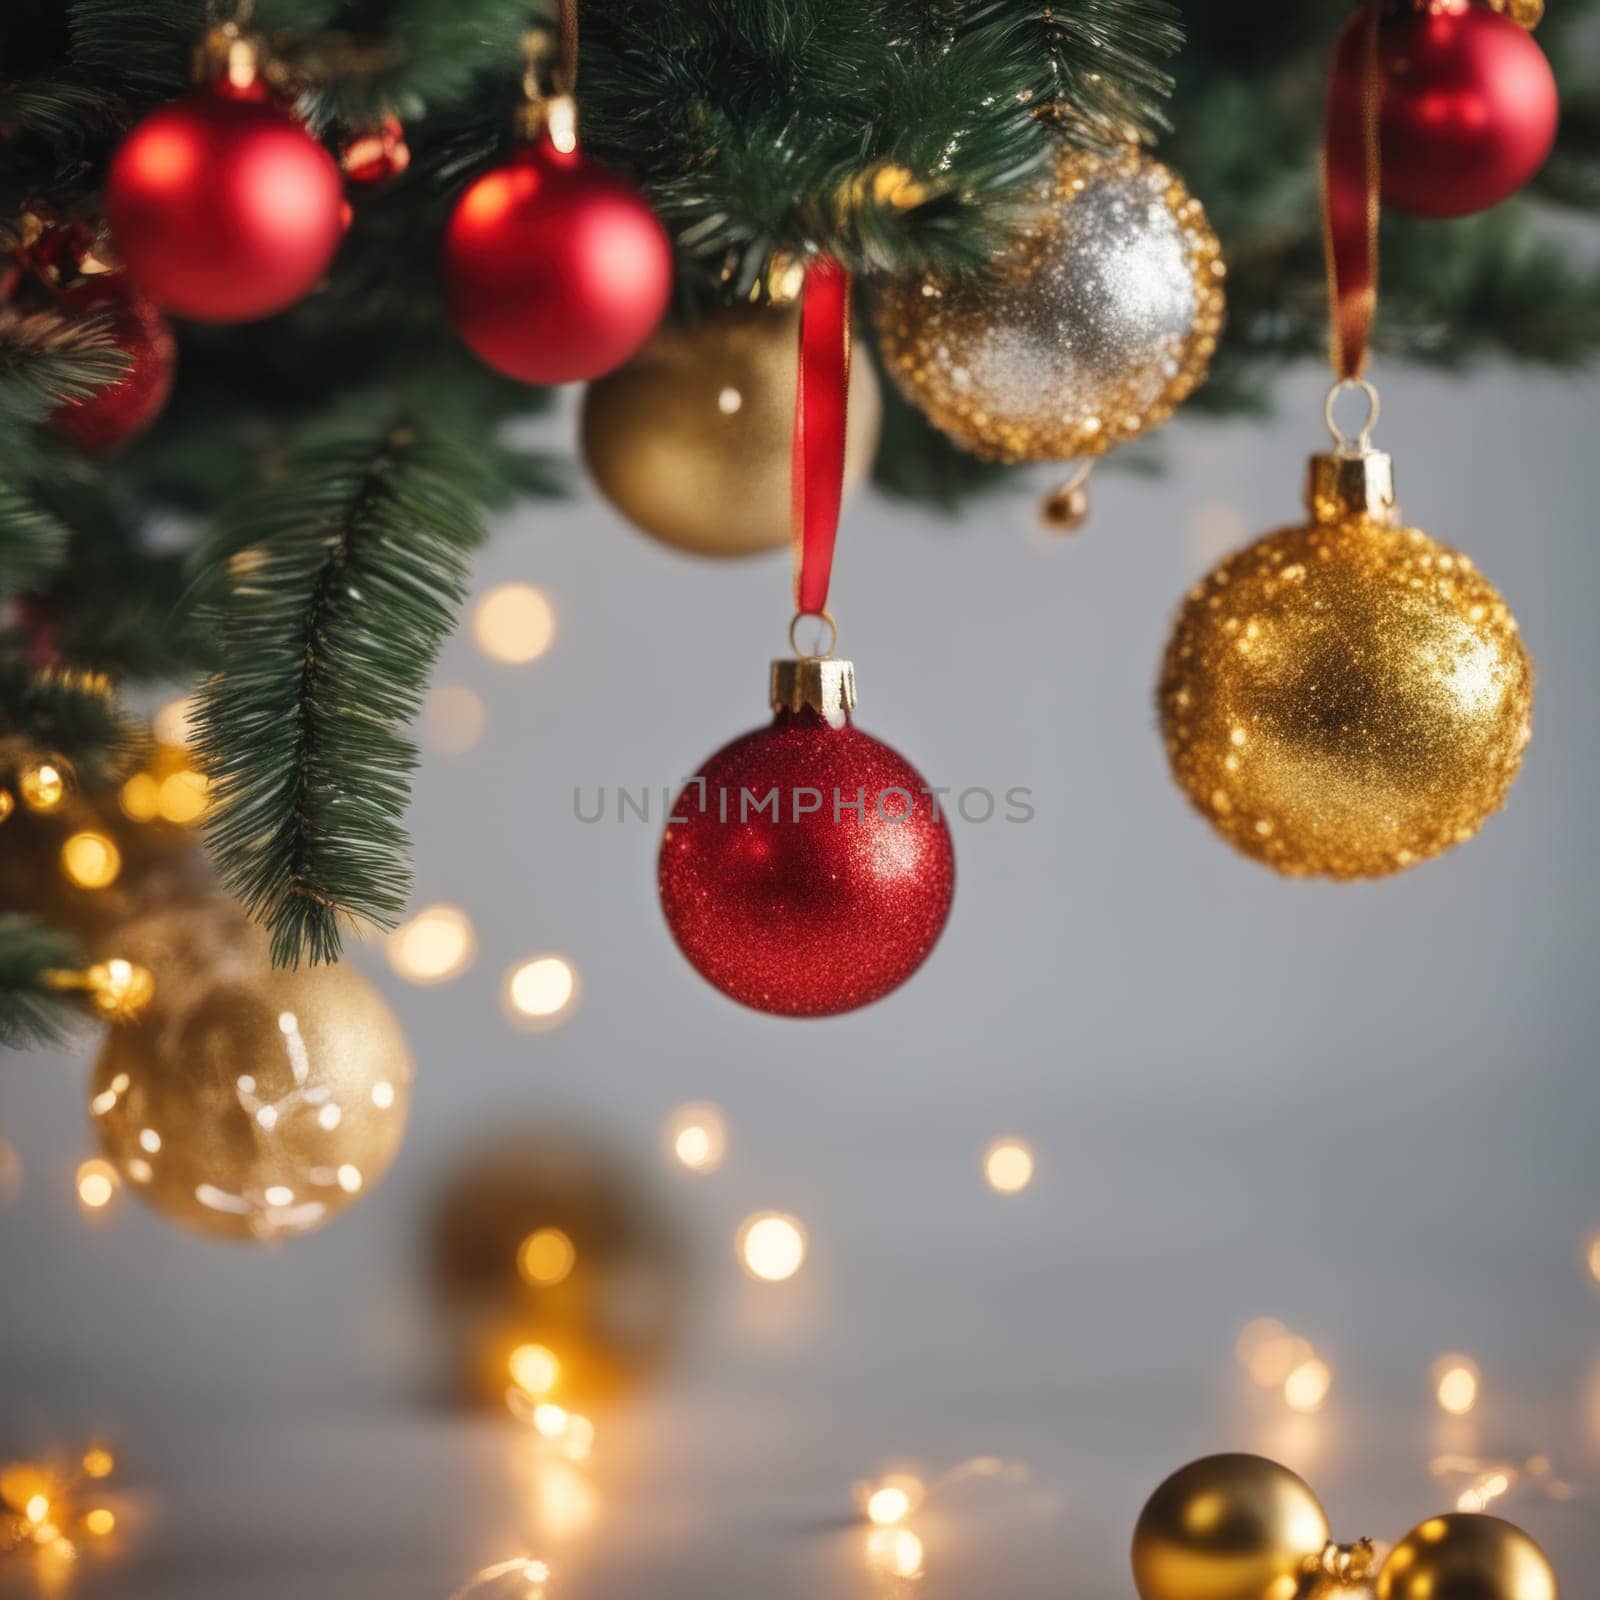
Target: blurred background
x: 1366, y: 1112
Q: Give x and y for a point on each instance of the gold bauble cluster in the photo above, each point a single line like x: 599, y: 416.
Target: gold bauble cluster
x: 1347, y: 697
x: 1091, y: 328
x: 1240, y: 1527
x: 691, y: 440
x: 247, y: 1102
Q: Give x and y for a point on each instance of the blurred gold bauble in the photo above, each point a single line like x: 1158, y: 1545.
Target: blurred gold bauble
x: 1348, y: 697
x: 552, y: 1241
x: 691, y: 440
x: 249, y: 1102
x: 1228, y: 1527
x: 1466, y: 1556
x: 1094, y: 326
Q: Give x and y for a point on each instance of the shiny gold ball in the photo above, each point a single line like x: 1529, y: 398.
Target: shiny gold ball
x: 1345, y: 699
x: 1466, y: 1556
x: 1228, y: 1527
x: 691, y: 441
x: 549, y: 1239
x: 1094, y: 326
x: 248, y: 1102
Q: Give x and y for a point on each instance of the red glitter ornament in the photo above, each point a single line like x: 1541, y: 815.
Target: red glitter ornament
x: 554, y: 269
x: 1469, y: 106
x: 116, y: 413
x: 807, y: 870
x: 224, y: 209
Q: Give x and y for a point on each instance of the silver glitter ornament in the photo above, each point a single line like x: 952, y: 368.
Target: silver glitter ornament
x: 1092, y: 327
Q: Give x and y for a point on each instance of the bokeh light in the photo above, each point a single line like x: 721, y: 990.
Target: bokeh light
x: 697, y: 1136
x: 100, y: 1521
x: 91, y: 860
x: 546, y: 1258
x: 535, y: 1369
x: 453, y: 719
x: 772, y: 1246
x: 182, y: 796
x: 1594, y: 1258
x: 1269, y: 1352
x: 98, y: 1462
x: 896, y: 1552
x: 541, y: 988
x: 97, y: 1183
x: 1008, y: 1165
x: 437, y: 944
x: 10, y: 1174
x: 1306, y: 1388
x: 43, y: 783
x: 513, y: 623
x: 1455, y: 1384
x: 174, y: 723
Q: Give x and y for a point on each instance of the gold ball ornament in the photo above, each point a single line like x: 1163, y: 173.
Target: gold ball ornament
x: 1228, y: 1527
x: 1095, y: 325
x: 550, y: 1240
x: 1466, y: 1556
x: 1347, y: 697
x: 691, y: 441
x: 248, y: 1102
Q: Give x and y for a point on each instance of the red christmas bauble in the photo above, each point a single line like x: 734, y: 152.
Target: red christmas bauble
x: 113, y: 415
x: 826, y: 905
x: 555, y: 270
x: 1469, y: 107
x: 224, y: 210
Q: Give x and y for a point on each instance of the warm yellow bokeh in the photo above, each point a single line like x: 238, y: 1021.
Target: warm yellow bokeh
x: 91, y: 860
x: 437, y: 944
x: 546, y: 1258
x: 1008, y: 1165
x: 513, y: 623
x: 772, y: 1246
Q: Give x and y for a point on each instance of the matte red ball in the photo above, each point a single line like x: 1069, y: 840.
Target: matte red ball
x: 224, y: 210
x: 1469, y: 107
x: 822, y: 908
x: 555, y: 270
x: 118, y: 412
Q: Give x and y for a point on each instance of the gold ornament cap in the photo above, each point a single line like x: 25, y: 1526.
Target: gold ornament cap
x: 1345, y: 484
x: 817, y: 683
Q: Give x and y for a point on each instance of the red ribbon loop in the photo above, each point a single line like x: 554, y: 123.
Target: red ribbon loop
x: 1350, y: 190
x: 821, y: 395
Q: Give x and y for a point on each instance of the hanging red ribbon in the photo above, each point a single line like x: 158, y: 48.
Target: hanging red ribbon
x: 1350, y: 182
x: 821, y: 394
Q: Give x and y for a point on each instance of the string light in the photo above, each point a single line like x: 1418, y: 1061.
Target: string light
x: 542, y: 988
x: 42, y: 783
x: 434, y: 946
x: 772, y: 1246
x: 892, y: 1499
x: 182, y: 796
x: 513, y: 623
x: 546, y: 1257
x: 1008, y: 1165
x: 100, y: 1521
x: 697, y: 1136
x: 140, y: 798
x: 453, y: 718
x: 1307, y: 1386
x: 91, y: 860
x: 1455, y: 1384
x: 97, y: 1184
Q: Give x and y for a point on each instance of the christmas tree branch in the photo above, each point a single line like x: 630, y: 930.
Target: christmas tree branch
x: 47, y: 359
x: 337, y: 580
x: 32, y: 1012
x: 64, y: 712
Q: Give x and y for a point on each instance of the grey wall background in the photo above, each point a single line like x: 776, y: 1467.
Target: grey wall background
x: 1370, y: 1110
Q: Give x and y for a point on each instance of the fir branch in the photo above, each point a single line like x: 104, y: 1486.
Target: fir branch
x: 339, y: 578
x: 33, y: 542
x: 66, y: 712
x: 33, y: 1013
x: 47, y: 359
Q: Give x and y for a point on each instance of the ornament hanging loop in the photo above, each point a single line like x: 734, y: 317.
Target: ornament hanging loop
x: 553, y: 60
x: 1343, y: 443
x: 832, y: 635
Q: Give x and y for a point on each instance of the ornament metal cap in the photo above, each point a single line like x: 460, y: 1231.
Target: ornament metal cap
x: 817, y: 683
x: 1341, y: 485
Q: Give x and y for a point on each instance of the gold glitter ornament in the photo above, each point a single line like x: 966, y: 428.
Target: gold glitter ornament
x: 1466, y: 1556
x: 1228, y: 1527
x: 1091, y: 328
x: 1347, y: 697
x: 692, y: 440
x: 248, y: 1102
